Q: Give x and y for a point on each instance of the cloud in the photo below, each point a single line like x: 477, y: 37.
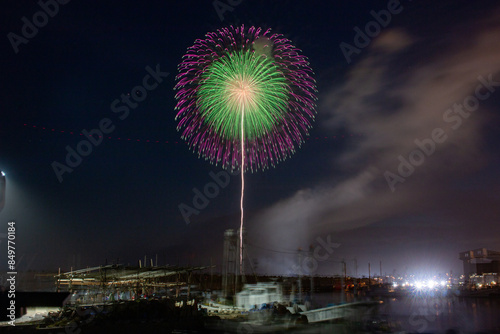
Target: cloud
x: 392, y: 41
x: 397, y: 93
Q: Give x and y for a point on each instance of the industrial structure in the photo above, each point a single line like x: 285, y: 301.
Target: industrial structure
x: 118, y: 282
x: 232, y: 272
x: 481, y: 266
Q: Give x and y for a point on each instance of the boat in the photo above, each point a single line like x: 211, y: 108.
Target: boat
x: 252, y: 296
x: 351, y: 311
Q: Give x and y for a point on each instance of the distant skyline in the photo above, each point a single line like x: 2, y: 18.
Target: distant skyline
x: 402, y: 165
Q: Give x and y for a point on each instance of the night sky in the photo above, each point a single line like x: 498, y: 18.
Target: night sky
x: 430, y: 76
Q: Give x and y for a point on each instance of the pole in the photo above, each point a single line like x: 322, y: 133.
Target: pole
x: 177, y: 286
x: 342, y: 282
x: 355, y: 282
x: 345, y: 271
x: 211, y: 275
x: 189, y: 286
x: 300, y: 276
x: 311, y: 275
x: 369, y: 275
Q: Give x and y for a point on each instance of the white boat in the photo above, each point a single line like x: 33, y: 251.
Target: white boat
x: 257, y: 294
x: 352, y: 311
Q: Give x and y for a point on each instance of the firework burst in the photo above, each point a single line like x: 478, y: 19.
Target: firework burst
x: 246, y: 98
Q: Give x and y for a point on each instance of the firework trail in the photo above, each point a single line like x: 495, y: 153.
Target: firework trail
x: 245, y: 100
x: 242, y: 187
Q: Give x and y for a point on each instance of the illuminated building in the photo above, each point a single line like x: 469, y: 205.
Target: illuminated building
x: 481, y: 262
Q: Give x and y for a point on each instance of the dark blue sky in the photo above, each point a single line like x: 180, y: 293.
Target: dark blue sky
x: 122, y: 201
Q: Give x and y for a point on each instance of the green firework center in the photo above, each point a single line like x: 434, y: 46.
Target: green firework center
x: 243, y: 84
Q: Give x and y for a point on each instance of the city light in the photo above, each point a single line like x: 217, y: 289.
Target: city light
x: 427, y: 285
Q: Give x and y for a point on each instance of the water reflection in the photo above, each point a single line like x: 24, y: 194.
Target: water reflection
x: 437, y: 313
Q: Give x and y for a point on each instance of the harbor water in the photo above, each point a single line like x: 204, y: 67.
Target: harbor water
x: 426, y: 313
